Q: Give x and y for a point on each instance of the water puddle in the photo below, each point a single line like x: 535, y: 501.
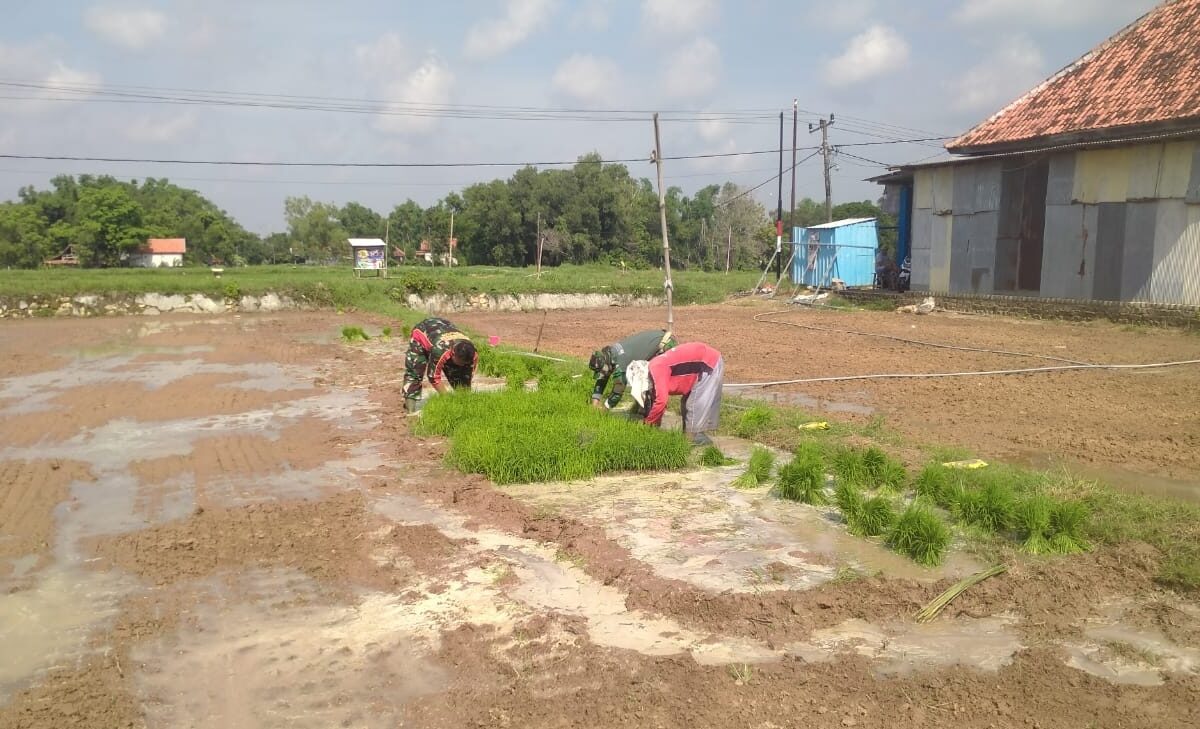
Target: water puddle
x: 259, y: 660
x: 48, y: 625
x: 1121, y: 478
x: 987, y: 644
x: 1123, y: 654
x: 807, y: 401
x: 695, y: 527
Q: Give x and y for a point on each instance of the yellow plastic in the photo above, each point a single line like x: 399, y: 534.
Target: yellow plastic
x: 815, y: 426
x: 971, y: 464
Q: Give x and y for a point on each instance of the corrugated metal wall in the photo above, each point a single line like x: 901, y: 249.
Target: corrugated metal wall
x: 1120, y: 224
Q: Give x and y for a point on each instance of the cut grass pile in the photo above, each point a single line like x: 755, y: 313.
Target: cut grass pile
x: 758, y: 469
x: 552, y: 434
x: 803, y: 478
x: 712, y: 457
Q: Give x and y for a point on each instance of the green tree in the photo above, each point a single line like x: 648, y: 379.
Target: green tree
x: 360, y: 221
x: 110, y: 224
x: 24, y: 236
x: 314, y: 228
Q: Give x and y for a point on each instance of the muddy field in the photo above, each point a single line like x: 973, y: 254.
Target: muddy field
x: 225, y: 522
x: 1139, y: 429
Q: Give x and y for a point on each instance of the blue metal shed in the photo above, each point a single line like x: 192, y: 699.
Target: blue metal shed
x: 843, y: 249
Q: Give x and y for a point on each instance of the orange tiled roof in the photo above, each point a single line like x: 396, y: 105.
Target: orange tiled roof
x: 1147, y: 74
x: 165, y: 245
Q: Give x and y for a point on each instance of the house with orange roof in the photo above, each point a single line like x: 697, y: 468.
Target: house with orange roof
x: 159, y: 253
x: 1087, y: 187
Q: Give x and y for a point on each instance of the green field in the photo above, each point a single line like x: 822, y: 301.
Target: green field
x: 338, y: 286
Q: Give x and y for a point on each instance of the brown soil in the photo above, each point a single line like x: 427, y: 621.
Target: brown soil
x: 1148, y: 420
x: 545, y: 672
x: 29, y: 493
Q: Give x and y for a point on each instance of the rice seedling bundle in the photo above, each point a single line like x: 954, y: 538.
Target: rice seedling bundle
x: 848, y: 467
x: 758, y: 469
x: 803, y: 479
x: 991, y: 508
x: 1047, y: 526
x: 849, y: 499
x: 921, y: 535
x: 1033, y: 523
x: 874, y: 517
x: 940, y: 485
x: 353, y: 334
x: 755, y: 421
x: 712, y: 457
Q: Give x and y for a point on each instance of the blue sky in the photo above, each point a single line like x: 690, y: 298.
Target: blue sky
x: 885, y: 69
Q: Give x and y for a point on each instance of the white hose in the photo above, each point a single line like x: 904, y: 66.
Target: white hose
x: 939, y: 345
x: 931, y: 375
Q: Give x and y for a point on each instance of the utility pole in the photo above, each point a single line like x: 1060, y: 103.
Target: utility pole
x: 779, y: 211
x: 824, y: 128
x: 539, y: 245
x: 450, y: 243
x: 728, y: 248
x: 662, y: 216
x: 792, y: 209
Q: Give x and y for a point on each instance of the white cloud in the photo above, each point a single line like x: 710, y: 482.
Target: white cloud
x: 428, y: 84
x: 1012, y: 68
x: 1050, y: 13
x: 522, y: 18
x: 713, y: 129
x: 678, y: 17
x: 133, y: 29
x: 588, y: 78
x: 37, y: 62
x: 872, y: 53
x: 844, y: 14
x: 159, y: 130
x: 387, y: 55
x: 592, y: 15
x: 692, y: 70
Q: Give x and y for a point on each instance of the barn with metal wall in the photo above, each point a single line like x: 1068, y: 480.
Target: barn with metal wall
x: 1088, y: 187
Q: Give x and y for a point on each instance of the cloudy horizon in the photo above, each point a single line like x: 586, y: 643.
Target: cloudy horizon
x: 720, y: 71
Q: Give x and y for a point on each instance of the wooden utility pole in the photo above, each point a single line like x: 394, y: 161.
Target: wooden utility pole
x: 728, y: 248
x: 792, y: 209
x: 824, y: 128
x: 779, y: 212
x: 539, y: 245
x: 450, y: 243
x: 668, y: 287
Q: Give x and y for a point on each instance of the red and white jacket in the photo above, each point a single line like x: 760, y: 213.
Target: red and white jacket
x: 676, y: 372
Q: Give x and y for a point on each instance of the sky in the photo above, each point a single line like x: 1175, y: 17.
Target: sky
x: 419, y: 82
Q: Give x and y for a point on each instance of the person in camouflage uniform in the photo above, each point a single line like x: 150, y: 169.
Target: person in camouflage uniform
x: 609, y: 363
x: 439, y: 351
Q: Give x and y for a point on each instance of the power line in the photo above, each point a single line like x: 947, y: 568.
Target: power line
x: 261, y: 163
x: 770, y: 179
x: 893, y: 141
x: 864, y: 159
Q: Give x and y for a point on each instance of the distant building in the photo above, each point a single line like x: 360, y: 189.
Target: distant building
x: 159, y: 253
x: 843, y: 250
x: 65, y: 258
x: 1087, y: 187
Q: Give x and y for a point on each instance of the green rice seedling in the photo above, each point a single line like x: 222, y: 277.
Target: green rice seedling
x: 1032, y: 518
x: 758, y: 470
x: 803, y: 479
x: 873, y: 518
x: 883, y: 471
x: 921, y: 535
x: 849, y: 499
x: 1067, y: 522
x: 712, y: 457
x: 755, y: 421
x: 353, y: 334
x: 849, y: 467
x: 940, y: 485
x: 387, y: 332
x: 991, y: 508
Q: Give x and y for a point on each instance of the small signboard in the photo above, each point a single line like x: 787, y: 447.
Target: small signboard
x: 370, y: 254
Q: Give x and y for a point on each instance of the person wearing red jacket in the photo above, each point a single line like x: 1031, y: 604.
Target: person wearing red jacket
x: 693, y: 370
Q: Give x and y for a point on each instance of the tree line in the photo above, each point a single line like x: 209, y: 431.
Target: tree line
x: 593, y: 211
